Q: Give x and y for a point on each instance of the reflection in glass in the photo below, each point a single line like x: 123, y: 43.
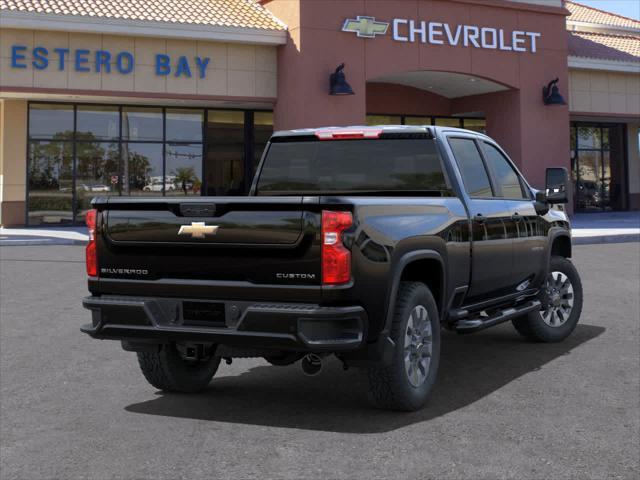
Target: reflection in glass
x: 143, y: 124
x: 50, y: 173
x: 589, y: 192
x: 225, y: 153
x: 184, y: 125
x: 448, y: 122
x: 475, y: 124
x: 97, y: 173
x: 184, y: 169
x: 589, y: 137
x: 143, y: 168
x: 51, y: 121
x: 384, y: 120
x: 417, y: 120
x: 97, y: 122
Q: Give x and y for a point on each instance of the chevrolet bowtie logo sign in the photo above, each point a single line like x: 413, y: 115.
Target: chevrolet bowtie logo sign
x: 198, y: 230
x: 365, y: 27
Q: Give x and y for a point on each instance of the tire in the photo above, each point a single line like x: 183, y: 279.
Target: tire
x: 405, y: 384
x: 562, y: 302
x: 167, y: 370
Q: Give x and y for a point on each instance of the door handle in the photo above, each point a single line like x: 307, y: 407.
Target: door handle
x: 480, y: 218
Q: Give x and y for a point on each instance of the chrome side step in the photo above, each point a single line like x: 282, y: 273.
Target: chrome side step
x: 476, y: 324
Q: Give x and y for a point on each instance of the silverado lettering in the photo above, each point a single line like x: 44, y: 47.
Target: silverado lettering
x: 393, y: 233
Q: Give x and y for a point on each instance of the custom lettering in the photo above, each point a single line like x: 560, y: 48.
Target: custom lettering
x: 202, y: 64
x: 396, y: 30
x: 103, y: 61
x: 518, y: 39
x: 471, y: 35
x: 453, y: 40
x: 125, y: 63
x: 62, y: 55
x: 434, y: 29
x: 82, y: 59
x: 183, y: 67
x: 17, y: 58
x: 40, y: 58
x: 163, y: 64
x: 489, y: 38
x: 422, y: 30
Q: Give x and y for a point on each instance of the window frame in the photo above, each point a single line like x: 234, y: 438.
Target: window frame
x: 474, y: 139
x: 524, y: 186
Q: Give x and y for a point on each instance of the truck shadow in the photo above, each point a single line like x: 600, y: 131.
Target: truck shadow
x: 471, y: 368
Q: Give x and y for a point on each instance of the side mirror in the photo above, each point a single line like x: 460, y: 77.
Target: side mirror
x: 556, y: 186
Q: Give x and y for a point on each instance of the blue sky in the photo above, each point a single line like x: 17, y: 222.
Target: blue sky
x: 628, y: 8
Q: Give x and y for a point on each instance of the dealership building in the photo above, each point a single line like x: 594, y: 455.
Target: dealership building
x: 179, y: 97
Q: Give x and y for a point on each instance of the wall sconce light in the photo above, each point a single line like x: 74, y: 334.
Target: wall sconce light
x: 338, y: 83
x: 551, y: 94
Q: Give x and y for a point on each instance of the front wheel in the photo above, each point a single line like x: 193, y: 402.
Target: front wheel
x: 562, y: 305
x: 169, y: 370
x: 406, y: 383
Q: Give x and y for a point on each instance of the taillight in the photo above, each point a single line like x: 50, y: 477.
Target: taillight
x: 91, y: 251
x: 336, y: 259
x: 349, y: 134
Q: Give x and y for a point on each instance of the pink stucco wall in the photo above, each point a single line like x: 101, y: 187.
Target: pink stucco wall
x: 536, y: 136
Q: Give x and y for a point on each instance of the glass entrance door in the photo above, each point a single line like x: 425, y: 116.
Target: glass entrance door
x: 598, y: 167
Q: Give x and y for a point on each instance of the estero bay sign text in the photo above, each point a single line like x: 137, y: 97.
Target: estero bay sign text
x: 99, y: 61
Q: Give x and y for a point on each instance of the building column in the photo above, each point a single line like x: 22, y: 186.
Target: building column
x: 13, y: 162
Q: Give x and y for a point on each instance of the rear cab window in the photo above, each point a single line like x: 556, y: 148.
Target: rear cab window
x: 295, y: 166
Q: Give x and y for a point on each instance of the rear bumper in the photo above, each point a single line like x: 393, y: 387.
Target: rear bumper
x: 290, y: 326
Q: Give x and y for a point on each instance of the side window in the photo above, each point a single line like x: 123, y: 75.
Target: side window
x: 474, y: 174
x: 506, y: 176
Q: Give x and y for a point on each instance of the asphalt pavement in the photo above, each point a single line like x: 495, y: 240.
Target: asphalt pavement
x: 72, y: 407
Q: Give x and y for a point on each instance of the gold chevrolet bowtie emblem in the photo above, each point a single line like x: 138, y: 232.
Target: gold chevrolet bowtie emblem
x: 365, y: 27
x: 198, y: 230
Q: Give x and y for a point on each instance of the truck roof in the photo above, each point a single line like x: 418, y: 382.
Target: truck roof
x: 433, y: 130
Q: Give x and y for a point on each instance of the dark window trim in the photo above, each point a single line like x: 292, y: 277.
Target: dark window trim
x: 484, y: 163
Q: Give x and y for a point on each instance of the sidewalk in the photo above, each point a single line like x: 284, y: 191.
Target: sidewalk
x: 588, y: 228
x: 608, y: 227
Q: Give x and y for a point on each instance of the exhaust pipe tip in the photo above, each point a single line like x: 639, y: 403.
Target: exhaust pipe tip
x: 311, y: 364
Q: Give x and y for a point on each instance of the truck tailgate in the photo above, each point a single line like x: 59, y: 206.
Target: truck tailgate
x: 263, y: 240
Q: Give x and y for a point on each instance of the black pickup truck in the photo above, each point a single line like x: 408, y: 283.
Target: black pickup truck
x: 360, y: 242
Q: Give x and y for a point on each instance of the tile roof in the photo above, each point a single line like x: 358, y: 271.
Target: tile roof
x: 624, y: 48
x: 582, y: 13
x: 223, y: 13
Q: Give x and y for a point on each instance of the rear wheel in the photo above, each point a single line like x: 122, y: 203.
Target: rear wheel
x: 170, y: 370
x: 562, y: 305
x: 405, y: 384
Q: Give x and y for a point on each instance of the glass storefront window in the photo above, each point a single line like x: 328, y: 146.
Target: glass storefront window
x: 97, y: 123
x: 384, y: 120
x: 184, y: 169
x: 225, y: 153
x: 417, y: 120
x: 80, y: 151
x: 589, y: 137
x: 97, y: 173
x: 143, y: 169
x: 475, y: 124
x: 51, y: 121
x: 448, y: 122
x: 184, y: 125
x: 142, y: 124
x: 50, y: 173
